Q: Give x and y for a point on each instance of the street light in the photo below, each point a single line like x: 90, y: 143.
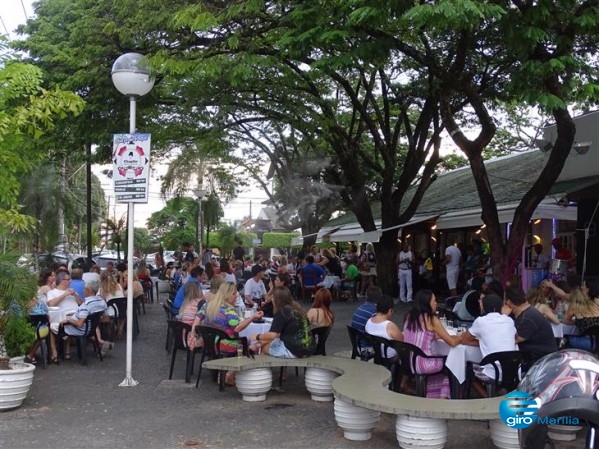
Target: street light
x: 200, y: 193
x: 132, y: 78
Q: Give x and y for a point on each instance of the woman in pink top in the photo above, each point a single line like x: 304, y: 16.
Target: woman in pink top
x: 421, y: 328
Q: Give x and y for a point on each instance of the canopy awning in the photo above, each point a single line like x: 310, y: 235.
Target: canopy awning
x: 548, y: 209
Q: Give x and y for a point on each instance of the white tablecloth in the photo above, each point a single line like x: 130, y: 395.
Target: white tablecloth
x: 559, y: 330
x: 255, y: 328
x: 329, y: 281
x: 457, y: 357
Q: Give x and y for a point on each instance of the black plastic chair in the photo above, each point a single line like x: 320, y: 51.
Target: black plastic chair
x: 508, y: 377
x: 119, y: 305
x: 170, y: 316
x: 212, y: 336
x: 179, y: 332
x: 38, y: 321
x: 320, y: 335
x: 407, y: 354
x: 381, y: 348
x: 91, y: 323
x: 360, y: 344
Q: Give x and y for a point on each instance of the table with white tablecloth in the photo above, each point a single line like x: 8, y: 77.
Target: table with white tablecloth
x: 559, y: 330
x: 256, y: 328
x: 457, y: 356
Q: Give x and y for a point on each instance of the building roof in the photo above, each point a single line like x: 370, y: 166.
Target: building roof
x: 454, y: 191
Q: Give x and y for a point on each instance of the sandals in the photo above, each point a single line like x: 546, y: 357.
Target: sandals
x: 31, y: 360
x: 54, y: 361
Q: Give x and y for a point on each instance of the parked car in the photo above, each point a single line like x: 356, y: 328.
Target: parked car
x: 46, y: 260
x: 102, y: 259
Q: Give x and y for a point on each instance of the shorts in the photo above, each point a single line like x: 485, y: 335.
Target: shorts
x: 277, y: 349
x: 452, y: 277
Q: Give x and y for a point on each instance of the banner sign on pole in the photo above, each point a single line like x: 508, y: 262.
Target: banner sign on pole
x: 131, y: 167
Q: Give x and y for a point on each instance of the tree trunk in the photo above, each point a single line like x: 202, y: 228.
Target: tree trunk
x: 386, y: 251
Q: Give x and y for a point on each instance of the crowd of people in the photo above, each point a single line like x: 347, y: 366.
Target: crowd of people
x: 66, y: 298
x: 505, y: 319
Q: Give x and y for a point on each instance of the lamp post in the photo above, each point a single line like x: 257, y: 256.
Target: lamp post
x: 200, y: 193
x: 131, y: 78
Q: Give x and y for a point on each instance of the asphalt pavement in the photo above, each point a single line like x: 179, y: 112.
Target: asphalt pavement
x: 74, y: 406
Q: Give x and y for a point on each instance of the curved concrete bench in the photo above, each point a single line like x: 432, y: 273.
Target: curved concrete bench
x: 361, y: 394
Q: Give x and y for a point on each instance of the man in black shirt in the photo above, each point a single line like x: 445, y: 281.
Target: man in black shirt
x: 534, y: 334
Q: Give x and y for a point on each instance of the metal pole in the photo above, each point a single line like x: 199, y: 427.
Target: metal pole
x: 129, y: 381
x: 200, y: 249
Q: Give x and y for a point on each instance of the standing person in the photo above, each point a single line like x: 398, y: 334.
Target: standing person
x: 453, y: 258
x: 239, y: 251
x: 540, y: 261
x: 534, y: 333
x: 493, y: 332
x: 405, y: 260
x: 368, y: 268
x: 421, y: 328
x: 289, y: 336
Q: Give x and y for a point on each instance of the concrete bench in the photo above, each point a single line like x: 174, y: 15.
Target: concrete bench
x: 360, y: 393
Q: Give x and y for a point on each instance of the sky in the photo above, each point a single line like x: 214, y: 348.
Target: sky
x: 15, y: 12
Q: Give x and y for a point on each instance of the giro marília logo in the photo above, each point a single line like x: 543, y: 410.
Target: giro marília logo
x: 518, y: 410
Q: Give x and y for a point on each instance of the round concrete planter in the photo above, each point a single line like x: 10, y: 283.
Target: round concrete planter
x: 318, y: 383
x: 420, y: 433
x: 253, y: 384
x: 503, y: 436
x: 15, y: 384
x: 357, y: 422
x: 558, y: 432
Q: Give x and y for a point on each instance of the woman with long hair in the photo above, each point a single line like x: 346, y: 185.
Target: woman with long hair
x: 38, y: 313
x: 215, y: 284
x: 281, y: 280
x: 320, y: 314
x: 421, y: 328
x: 536, y: 298
x: 290, y: 335
x: 220, y: 312
x: 109, y: 287
x: 582, y: 311
x: 192, y: 297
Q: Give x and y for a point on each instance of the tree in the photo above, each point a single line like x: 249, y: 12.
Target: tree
x: 27, y: 111
x: 175, y: 223
x: 485, y: 54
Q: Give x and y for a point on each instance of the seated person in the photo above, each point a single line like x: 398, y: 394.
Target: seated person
x: 311, y: 274
x: 351, y: 276
x: 290, y: 335
x: 467, y: 309
x: 380, y: 324
x: 493, y: 332
x: 74, y: 325
x: 366, y: 311
x: 320, y: 314
x: 534, y: 333
x: 254, y: 290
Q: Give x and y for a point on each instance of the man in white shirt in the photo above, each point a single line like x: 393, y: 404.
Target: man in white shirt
x: 254, y: 290
x: 493, y: 332
x: 405, y: 259
x: 453, y: 257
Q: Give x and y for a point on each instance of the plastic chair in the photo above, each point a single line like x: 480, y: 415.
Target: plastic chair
x: 360, y: 344
x: 407, y: 354
x: 381, y: 347
x: 320, y: 335
x: 212, y: 336
x: 170, y: 316
x: 508, y: 361
x: 91, y: 323
x: 119, y: 305
x: 38, y: 321
x: 179, y: 332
